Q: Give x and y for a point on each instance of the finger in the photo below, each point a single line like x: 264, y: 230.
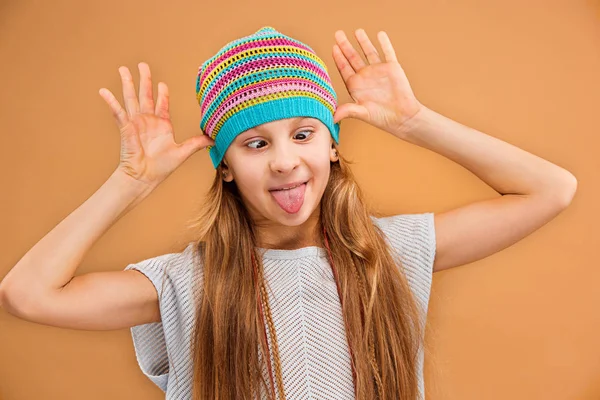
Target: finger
x: 117, y: 111
x: 351, y: 110
x: 342, y: 64
x: 146, y: 96
x: 356, y: 62
x: 386, y: 46
x: 162, y: 101
x: 131, y: 103
x: 193, y: 144
x: 367, y: 47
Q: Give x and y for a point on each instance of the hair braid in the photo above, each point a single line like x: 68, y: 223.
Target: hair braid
x: 361, y: 285
x: 372, y: 359
x: 273, y: 334
x: 251, y: 382
x: 259, y: 280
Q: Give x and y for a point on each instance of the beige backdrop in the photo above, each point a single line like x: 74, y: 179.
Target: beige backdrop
x: 521, y: 324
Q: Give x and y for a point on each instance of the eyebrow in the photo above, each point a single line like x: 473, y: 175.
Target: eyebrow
x: 296, y: 119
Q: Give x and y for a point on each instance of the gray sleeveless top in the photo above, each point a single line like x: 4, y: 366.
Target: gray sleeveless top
x: 304, y: 305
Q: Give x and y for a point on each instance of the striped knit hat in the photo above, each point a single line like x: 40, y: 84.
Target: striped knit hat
x: 260, y: 78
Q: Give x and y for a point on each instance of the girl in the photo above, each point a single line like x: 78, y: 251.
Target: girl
x: 294, y: 289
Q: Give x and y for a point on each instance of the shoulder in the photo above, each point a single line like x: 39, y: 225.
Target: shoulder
x: 162, y: 347
x: 412, y: 241
x: 173, y: 270
x: 412, y: 235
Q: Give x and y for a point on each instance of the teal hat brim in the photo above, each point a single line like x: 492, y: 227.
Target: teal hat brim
x: 272, y: 110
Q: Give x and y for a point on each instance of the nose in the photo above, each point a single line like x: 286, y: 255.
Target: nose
x: 284, y: 158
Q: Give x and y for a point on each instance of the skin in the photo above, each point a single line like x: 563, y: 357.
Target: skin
x: 533, y: 190
x: 276, y: 153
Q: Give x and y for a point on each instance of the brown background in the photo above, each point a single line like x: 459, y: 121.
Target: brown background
x: 521, y: 324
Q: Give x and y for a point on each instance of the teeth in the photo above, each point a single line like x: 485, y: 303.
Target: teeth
x: 291, y: 187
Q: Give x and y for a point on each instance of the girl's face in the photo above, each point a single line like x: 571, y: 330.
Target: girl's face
x: 280, y: 153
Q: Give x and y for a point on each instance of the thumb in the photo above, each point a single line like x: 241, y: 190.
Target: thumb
x: 350, y: 110
x: 193, y: 144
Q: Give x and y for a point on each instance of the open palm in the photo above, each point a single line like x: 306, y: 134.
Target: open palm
x: 148, y: 149
x: 381, y: 91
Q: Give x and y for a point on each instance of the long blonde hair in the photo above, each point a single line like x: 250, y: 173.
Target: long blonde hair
x: 381, y: 316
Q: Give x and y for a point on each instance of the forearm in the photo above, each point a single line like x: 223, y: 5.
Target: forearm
x: 52, y: 261
x: 506, y: 168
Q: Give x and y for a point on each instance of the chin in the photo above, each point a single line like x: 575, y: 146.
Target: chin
x: 294, y: 219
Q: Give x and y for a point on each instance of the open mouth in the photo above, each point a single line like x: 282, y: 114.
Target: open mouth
x: 288, y: 188
x: 290, y: 200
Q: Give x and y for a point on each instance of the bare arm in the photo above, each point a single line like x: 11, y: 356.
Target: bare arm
x: 508, y: 169
x: 96, y: 301
x: 51, y: 263
x: 533, y: 190
x: 41, y: 287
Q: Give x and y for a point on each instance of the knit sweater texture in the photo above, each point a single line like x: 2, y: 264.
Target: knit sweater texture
x: 305, y: 307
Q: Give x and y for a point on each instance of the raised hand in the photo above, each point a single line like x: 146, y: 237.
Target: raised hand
x: 148, y: 150
x: 383, y: 97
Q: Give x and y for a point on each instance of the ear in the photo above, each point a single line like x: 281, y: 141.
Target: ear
x: 333, y: 153
x: 225, y: 172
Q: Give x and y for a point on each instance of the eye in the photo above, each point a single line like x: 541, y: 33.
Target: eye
x: 306, y: 133
x: 254, y: 141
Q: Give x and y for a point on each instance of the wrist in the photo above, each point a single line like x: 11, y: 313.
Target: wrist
x: 411, y: 126
x: 128, y: 185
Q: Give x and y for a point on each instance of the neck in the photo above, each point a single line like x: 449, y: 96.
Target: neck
x: 291, y: 237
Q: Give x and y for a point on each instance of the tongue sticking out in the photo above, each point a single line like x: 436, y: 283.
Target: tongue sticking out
x: 290, y: 200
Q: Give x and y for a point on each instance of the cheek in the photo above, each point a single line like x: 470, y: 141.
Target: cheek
x: 320, y: 168
x: 321, y: 163
x: 249, y: 183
